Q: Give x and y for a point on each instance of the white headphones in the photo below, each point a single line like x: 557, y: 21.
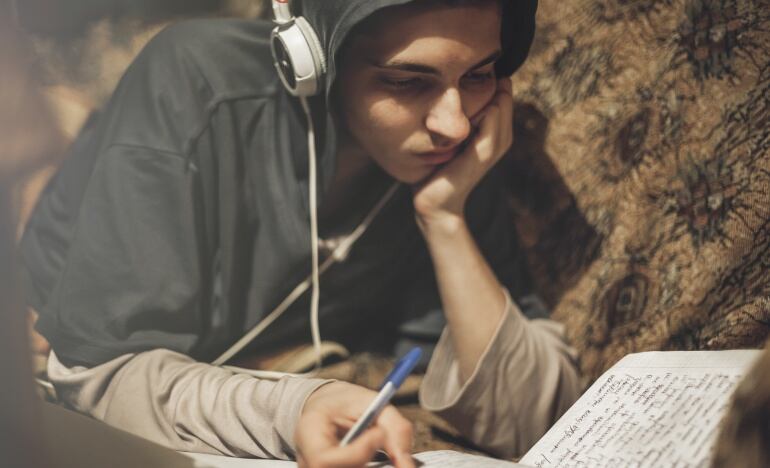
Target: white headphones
x: 297, y: 52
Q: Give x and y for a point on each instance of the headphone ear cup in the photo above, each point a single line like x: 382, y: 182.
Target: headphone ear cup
x: 298, y: 57
x: 314, y: 43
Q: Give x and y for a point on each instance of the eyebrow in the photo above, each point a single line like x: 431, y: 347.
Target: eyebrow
x: 427, y: 69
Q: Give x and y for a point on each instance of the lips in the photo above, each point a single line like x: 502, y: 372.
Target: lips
x: 438, y: 157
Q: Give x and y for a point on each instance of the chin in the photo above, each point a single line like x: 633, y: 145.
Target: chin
x: 405, y: 172
x: 413, y: 176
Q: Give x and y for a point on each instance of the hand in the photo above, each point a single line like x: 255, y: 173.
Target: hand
x: 443, y: 195
x: 328, y: 414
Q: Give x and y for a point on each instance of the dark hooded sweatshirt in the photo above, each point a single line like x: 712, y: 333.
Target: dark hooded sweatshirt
x: 180, y: 218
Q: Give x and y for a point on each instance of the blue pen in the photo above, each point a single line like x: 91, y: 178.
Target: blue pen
x: 394, y: 380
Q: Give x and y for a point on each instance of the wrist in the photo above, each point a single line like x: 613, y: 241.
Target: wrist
x: 441, y: 223
x: 318, y: 395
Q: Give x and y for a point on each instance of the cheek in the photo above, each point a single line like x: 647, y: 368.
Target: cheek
x: 389, y: 119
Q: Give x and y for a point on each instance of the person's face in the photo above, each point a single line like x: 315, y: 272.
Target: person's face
x: 411, y: 85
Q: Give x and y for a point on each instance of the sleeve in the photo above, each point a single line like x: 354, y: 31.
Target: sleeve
x: 523, y: 382
x: 186, y: 405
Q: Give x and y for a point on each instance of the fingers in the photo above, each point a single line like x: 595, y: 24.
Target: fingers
x: 318, y: 444
x: 496, y: 127
x: 328, y: 414
x: 398, y: 437
x: 463, y: 173
x: 356, y: 454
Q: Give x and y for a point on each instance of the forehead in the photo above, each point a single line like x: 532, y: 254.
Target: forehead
x: 425, y: 29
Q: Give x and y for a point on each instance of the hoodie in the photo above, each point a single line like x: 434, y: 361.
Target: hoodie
x: 180, y: 218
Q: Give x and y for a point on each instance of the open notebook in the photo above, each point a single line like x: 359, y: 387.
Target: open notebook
x: 649, y: 410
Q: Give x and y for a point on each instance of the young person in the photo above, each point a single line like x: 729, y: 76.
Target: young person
x: 181, y: 219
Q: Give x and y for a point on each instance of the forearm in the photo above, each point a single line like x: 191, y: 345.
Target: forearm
x: 523, y: 383
x: 186, y: 405
x: 471, y: 295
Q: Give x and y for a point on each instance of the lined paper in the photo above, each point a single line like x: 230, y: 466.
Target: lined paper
x: 649, y: 410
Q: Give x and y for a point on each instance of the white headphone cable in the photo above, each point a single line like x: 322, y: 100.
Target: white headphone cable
x: 315, y: 330
x: 339, y: 254
x: 302, y: 287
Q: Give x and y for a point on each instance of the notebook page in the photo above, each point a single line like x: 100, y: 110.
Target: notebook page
x: 649, y: 410
x: 439, y: 458
x: 217, y: 461
x: 450, y: 459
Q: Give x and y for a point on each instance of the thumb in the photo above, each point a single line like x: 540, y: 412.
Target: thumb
x: 360, y: 452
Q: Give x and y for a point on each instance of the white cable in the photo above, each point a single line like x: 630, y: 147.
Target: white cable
x: 313, y: 201
x: 339, y: 254
x: 302, y: 287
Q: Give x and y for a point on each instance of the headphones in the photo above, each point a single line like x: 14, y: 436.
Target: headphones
x: 297, y: 52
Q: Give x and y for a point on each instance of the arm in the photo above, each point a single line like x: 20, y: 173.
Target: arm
x: 470, y: 293
x: 190, y: 406
x: 185, y: 405
x: 499, y: 378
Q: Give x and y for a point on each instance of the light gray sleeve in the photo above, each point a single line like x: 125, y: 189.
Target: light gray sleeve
x: 186, y: 405
x: 523, y: 382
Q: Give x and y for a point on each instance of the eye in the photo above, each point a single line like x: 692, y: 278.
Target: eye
x: 403, y: 84
x: 479, y: 78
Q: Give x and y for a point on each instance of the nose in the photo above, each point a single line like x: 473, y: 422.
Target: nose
x: 446, y: 120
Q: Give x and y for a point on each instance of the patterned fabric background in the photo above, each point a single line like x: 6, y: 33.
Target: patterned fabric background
x: 641, y: 179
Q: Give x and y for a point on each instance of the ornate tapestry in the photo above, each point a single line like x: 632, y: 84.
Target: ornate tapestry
x: 641, y: 174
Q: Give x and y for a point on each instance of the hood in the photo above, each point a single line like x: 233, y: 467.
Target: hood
x: 333, y: 20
